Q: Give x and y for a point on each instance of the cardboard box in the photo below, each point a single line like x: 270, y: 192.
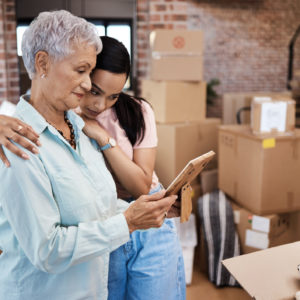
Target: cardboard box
x: 176, y: 101
x: 268, y: 274
x: 261, y: 174
x: 273, y: 115
x: 232, y: 102
x: 176, y: 55
x: 209, y: 180
x: 262, y: 232
x: 178, y: 143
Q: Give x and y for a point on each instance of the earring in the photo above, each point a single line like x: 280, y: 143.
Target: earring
x: 43, y: 75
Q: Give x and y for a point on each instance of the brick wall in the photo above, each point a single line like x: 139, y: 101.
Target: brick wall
x: 151, y: 15
x: 246, y: 41
x: 9, y: 74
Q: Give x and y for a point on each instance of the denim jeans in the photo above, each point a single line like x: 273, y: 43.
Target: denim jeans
x: 149, y: 266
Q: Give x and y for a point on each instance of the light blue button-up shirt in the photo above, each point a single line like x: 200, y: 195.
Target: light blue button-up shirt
x: 59, y: 217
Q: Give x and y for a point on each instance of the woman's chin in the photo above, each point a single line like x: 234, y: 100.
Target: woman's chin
x: 88, y: 116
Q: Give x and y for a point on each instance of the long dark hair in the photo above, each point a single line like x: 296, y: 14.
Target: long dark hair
x: 114, y: 58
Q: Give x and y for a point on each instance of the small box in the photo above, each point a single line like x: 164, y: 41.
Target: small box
x: 262, y: 232
x: 274, y: 115
x: 176, y: 55
x: 176, y: 101
x: 178, y: 143
x: 261, y: 174
x: 233, y: 102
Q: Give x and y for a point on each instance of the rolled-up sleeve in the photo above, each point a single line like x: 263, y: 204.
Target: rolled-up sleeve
x: 33, y: 214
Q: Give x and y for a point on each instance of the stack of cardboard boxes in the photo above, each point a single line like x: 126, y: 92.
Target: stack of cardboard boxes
x: 177, y: 92
x: 259, y: 170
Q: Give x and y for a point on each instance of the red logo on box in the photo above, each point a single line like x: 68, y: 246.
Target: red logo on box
x: 178, y: 42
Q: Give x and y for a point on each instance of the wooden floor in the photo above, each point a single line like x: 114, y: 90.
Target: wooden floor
x: 202, y: 289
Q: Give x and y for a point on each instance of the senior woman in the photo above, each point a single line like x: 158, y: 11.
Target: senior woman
x: 59, y: 213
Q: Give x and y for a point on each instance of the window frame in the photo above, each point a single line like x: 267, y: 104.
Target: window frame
x: 104, y: 22
x: 117, y: 21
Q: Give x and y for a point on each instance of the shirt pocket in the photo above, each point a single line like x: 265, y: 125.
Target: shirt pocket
x: 75, y: 197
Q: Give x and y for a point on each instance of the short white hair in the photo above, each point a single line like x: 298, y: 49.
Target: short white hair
x: 55, y: 33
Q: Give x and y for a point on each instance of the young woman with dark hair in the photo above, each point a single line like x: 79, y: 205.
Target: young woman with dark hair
x: 150, y: 265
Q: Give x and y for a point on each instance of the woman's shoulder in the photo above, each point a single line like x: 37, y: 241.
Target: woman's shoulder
x: 145, y: 105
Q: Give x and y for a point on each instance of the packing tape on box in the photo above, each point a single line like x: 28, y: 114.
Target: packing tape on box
x: 159, y: 55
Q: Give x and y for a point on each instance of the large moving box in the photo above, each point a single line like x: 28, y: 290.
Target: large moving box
x: 273, y: 115
x: 176, y: 101
x: 261, y: 174
x: 176, y: 55
x: 233, y: 102
x: 178, y: 143
x: 262, y: 232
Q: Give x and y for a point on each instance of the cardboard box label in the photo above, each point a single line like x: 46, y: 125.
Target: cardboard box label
x: 273, y: 116
x: 268, y: 143
x: 261, y: 224
x: 178, y: 42
x: 256, y: 239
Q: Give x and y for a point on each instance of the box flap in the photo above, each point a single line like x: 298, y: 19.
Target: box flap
x: 268, y: 274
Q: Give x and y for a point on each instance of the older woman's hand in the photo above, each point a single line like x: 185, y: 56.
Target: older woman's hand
x: 12, y: 129
x: 148, y: 211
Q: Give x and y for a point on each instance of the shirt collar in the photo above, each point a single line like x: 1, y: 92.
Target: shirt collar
x: 33, y: 118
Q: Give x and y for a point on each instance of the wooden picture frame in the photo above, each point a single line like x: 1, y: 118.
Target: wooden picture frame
x: 181, y: 184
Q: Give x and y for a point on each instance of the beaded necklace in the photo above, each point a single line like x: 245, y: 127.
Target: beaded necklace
x: 71, y: 141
